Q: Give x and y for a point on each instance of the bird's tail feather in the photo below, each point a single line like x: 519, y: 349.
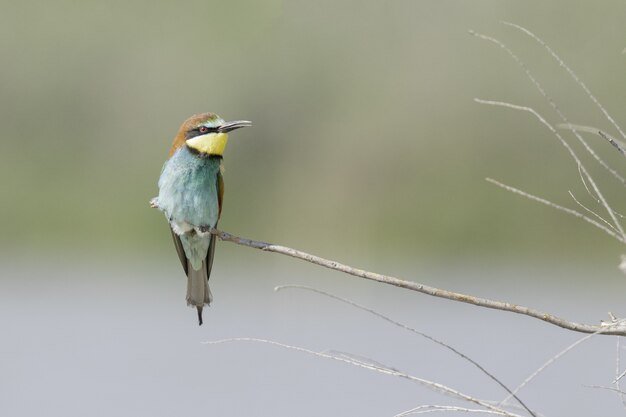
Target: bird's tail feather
x: 198, y: 292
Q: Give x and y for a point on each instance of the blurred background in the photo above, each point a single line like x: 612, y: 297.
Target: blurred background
x: 367, y: 147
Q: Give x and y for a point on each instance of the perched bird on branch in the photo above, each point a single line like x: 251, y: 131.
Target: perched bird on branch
x: 191, y: 190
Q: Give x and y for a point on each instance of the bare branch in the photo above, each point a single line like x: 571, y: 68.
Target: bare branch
x: 573, y: 155
x: 610, y: 328
x: 616, y: 328
x: 550, y: 101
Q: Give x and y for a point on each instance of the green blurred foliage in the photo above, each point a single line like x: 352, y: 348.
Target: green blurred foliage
x: 366, y: 139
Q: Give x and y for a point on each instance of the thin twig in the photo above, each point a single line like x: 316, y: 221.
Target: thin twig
x: 596, y: 215
x: 606, y: 388
x: 582, y: 179
x: 548, y: 363
x: 413, y: 330
x: 620, y: 376
x: 618, y: 144
x: 573, y: 155
x: 618, y: 355
x: 557, y: 207
x: 614, y: 321
x: 377, y: 368
x: 423, y: 409
x: 550, y: 101
x: 571, y: 73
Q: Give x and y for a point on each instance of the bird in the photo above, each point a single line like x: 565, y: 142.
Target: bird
x: 191, y: 192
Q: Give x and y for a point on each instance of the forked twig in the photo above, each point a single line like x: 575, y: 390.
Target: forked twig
x: 607, y: 388
x: 412, y: 330
x: 596, y: 215
x: 550, y: 101
x: 557, y: 207
x: 570, y: 72
x: 423, y: 409
x: 573, y: 155
x: 443, y: 389
x: 547, y: 364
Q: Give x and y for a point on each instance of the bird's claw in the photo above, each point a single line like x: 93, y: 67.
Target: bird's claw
x: 206, y: 229
x: 154, y: 203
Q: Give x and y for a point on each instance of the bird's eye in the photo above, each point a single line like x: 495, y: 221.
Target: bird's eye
x: 203, y: 129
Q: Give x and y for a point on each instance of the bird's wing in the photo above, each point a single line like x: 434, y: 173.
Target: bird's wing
x: 211, y: 252
x: 209, y: 256
x: 220, y: 194
x: 179, y: 250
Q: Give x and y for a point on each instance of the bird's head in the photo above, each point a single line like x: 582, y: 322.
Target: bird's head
x: 206, y: 134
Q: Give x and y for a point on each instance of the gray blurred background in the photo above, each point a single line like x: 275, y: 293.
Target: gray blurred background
x: 367, y: 147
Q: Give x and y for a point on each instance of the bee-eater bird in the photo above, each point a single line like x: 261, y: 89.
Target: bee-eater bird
x: 191, y: 190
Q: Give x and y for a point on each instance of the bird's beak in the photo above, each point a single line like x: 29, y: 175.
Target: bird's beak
x: 228, y: 126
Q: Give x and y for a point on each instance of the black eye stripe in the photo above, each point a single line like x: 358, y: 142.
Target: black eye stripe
x: 196, y: 132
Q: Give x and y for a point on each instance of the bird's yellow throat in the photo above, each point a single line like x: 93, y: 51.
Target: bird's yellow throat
x: 210, y: 144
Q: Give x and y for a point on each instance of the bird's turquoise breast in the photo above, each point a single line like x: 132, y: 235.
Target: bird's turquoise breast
x: 188, y: 188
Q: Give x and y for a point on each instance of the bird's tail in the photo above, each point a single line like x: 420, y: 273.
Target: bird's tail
x: 198, y: 292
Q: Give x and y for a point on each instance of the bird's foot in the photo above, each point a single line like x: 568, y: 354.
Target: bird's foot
x: 205, y: 229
